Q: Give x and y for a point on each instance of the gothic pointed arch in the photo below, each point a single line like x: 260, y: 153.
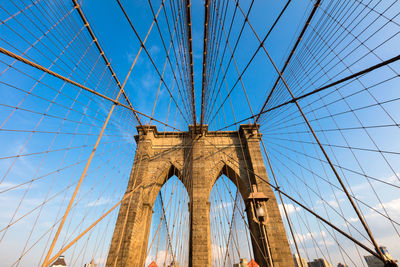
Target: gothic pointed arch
x: 198, y: 161
x: 233, y: 172
x: 162, y: 175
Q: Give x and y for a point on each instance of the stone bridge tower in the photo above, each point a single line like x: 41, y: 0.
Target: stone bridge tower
x: 198, y: 158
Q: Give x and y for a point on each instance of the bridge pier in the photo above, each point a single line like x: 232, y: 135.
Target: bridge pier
x: 200, y: 235
x: 198, y: 160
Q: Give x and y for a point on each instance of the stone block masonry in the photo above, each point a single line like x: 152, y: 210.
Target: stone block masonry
x: 198, y: 158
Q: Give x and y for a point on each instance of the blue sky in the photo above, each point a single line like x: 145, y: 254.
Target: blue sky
x: 107, y: 20
x: 48, y: 127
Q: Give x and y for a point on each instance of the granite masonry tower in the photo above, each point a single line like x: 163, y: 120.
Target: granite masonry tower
x: 198, y: 158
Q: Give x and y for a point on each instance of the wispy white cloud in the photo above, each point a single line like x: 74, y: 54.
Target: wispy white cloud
x: 333, y: 203
x: 216, y: 252
x: 310, y: 236
x: 161, y: 257
x: 8, y: 185
x: 99, y: 202
x: 361, y: 187
x: 224, y: 205
x: 290, y: 208
x: 154, y: 50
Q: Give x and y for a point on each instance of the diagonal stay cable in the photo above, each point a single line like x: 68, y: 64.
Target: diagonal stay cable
x: 166, y: 225
x: 65, y: 79
x: 95, y: 40
x: 362, y: 72
x: 67, y: 211
x: 142, y: 44
x: 205, y: 48
x: 234, y: 50
x: 40, y: 67
x: 167, y: 52
x: 359, y: 215
x: 304, y: 207
x: 256, y: 52
x: 316, y: 5
x: 190, y: 46
x: 178, y: 51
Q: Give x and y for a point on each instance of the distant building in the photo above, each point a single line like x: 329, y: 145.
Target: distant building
x: 252, y: 263
x: 341, y: 264
x: 386, y: 253
x: 299, y: 261
x: 242, y: 263
x: 245, y: 263
x: 60, y: 262
x: 91, y: 264
x: 319, y: 263
x: 153, y: 264
x: 373, y: 261
x: 174, y: 264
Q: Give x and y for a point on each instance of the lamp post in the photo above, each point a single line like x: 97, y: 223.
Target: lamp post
x: 257, y: 202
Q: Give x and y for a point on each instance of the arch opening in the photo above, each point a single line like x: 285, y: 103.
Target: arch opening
x: 230, y: 236
x: 168, y: 241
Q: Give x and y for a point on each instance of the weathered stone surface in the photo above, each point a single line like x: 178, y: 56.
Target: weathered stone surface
x: 198, y: 158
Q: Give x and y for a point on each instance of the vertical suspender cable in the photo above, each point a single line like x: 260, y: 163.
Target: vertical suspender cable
x: 206, y: 18
x: 189, y: 36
